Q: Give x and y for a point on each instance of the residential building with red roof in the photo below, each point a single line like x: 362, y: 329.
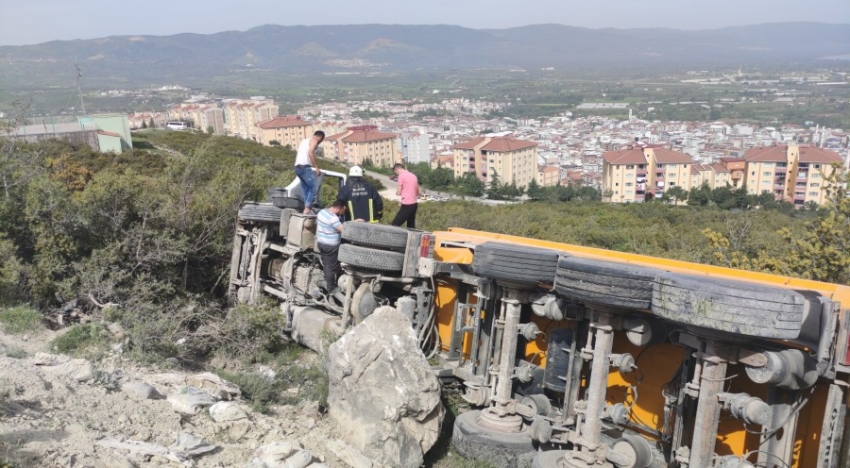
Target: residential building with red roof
x: 548, y: 176
x: 287, y: 130
x: 715, y: 175
x: 241, y: 116
x: 795, y: 173
x: 362, y: 143
x: 513, y: 160
x: 443, y: 160
x: 629, y: 174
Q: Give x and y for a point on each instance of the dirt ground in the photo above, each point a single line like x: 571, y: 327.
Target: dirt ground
x: 50, y: 419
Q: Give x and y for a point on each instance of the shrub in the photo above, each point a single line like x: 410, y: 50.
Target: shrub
x: 20, y: 319
x: 88, y: 339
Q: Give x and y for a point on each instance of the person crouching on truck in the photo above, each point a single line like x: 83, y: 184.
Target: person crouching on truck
x: 361, y: 198
x: 328, y: 235
x: 305, y: 165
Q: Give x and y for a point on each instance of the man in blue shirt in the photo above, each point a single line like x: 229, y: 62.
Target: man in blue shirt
x: 328, y: 235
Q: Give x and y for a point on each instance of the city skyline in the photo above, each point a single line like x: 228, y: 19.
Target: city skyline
x: 38, y: 21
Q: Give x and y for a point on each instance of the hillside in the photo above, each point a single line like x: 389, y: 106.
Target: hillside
x: 195, y: 58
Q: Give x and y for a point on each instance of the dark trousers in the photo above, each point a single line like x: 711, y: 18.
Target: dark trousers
x: 330, y: 264
x: 406, y: 213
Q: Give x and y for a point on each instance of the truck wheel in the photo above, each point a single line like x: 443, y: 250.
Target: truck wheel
x: 728, y: 306
x: 371, y: 259
x: 259, y: 212
x: 289, y: 202
x: 501, y: 449
x: 375, y: 235
x: 608, y: 283
x: 515, y: 263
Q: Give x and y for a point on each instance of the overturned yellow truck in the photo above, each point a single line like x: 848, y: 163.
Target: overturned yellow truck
x: 576, y: 357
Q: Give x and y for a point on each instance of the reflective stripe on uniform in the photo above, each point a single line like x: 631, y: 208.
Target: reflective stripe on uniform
x: 371, y: 212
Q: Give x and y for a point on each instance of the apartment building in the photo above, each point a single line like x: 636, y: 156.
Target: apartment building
x: 548, y: 176
x: 445, y: 159
x: 737, y: 169
x: 625, y: 175
x: 515, y: 161
x: 362, y: 143
x: 241, y: 116
x: 287, y: 130
x: 795, y: 173
x: 715, y: 175
x: 415, y: 147
x: 203, y: 116
x: 629, y: 174
x: 210, y: 117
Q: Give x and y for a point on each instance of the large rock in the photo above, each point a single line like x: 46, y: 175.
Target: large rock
x: 383, y: 395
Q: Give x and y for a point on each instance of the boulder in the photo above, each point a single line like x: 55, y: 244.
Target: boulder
x: 224, y: 411
x: 77, y: 369
x: 214, y: 385
x: 138, y: 390
x: 189, y: 400
x: 348, y: 454
x: 383, y: 395
x: 281, y: 454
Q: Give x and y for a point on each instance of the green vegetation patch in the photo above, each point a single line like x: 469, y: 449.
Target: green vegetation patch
x: 20, y: 319
x: 88, y: 340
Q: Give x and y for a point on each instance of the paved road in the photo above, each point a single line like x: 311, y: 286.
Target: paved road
x: 389, y: 186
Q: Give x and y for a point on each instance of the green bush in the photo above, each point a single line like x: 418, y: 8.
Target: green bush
x: 293, y: 369
x: 82, y: 340
x: 256, y: 388
x: 20, y: 319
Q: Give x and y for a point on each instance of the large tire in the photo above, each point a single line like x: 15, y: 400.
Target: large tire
x: 728, y: 306
x: 515, y: 263
x: 501, y: 449
x: 289, y: 202
x: 371, y: 259
x: 609, y: 283
x: 375, y: 235
x: 259, y: 212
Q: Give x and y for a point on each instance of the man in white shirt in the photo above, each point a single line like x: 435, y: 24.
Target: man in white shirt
x: 307, y: 169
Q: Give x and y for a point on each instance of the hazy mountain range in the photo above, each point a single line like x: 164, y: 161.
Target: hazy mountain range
x: 192, y: 58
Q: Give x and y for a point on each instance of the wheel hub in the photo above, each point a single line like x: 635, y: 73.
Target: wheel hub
x: 489, y: 419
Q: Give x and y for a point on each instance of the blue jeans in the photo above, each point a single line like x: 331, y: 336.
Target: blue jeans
x: 309, y: 184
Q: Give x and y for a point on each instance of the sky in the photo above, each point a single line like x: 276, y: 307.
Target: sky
x: 37, y: 21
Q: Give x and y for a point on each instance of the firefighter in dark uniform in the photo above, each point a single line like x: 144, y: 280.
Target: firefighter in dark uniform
x: 362, y: 199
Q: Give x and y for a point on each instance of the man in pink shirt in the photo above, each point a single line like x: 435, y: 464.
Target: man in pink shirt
x: 408, y: 190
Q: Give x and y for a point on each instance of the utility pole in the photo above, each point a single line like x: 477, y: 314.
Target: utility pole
x: 79, y: 90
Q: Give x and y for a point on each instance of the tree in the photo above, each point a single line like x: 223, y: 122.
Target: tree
x: 210, y: 129
x: 587, y: 193
x: 534, y: 191
x: 19, y: 162
x: 151, y: 123
x: 274, y: 143
x: 821, y: 252
x: 494, y: 191
x: 469, y: 185
x: 441, y: 177
x: 700, y: 196
x: 677, y: 194
x: 144, y: 124
x: 723, y: 197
